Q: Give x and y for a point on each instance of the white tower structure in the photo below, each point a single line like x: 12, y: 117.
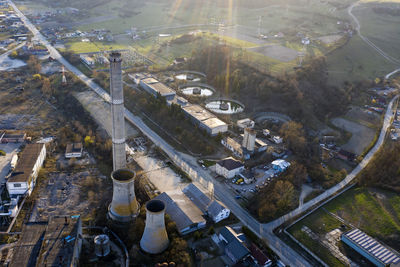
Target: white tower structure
x: 155, y: 238
x: 124, y: 206
x: 249, y: 139
x: 117, y: 111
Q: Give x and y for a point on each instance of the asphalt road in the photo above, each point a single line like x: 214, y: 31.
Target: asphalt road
x: 203, y: 178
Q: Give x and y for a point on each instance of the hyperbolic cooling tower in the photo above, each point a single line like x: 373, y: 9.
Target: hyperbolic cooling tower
x: 249, y: 139
x: 155, y: 238
x: 117, y: 110
x: 124, y: 206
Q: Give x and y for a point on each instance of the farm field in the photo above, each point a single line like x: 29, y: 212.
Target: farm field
x: 374, y: 211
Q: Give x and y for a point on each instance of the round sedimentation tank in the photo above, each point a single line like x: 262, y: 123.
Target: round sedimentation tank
x: 123, y: 207
x: 225, y: 106
x: 155, y: 238
x: 102, y: 245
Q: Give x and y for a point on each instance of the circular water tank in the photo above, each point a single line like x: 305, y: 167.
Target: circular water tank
x: 102, y: 245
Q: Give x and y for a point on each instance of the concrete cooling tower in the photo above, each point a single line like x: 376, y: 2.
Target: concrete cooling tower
x: 124, y: 206
x: 155, y: 239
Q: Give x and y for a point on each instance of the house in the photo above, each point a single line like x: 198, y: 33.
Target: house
x: 23, y: 178
x: 277, y: 139
x: 278, y: 153
x: 87, y: 60
x: 214, y: 210
x: 266, y: 133
x: 12, y: 137
x: 179, y: 60
x: 245, y: 123
x: 259, y: 256
x: 248, y: 176
x: 377, y: 253
x: 229, y: 168
x: 183, y: 212
x: 346, y: 155
x: 74, y: 150
x: 232, y: 245
x: 280, y: 165
x: 233, y: 146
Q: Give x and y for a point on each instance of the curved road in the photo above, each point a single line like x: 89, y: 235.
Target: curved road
x: 189, y: 165
x: 366, y: 40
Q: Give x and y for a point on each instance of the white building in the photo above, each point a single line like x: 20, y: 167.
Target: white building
x: 233, y: 146
x: 280, y: 165
x: 245, y: 123
x: 229, y: 168
x: 74, y: 150
x: 89, y: 61
x: 277, y: 139
x: 154, y: 87
x: 23, y: 178
x: 205, y: 119
x: 266, y: 132
x: 214, y: 210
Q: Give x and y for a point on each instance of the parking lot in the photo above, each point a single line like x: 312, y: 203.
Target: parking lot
x: 5, y: 167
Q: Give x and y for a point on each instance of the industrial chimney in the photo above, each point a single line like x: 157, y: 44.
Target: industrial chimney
x: 117, y: 110
x: 124, y: 206
x: 155, y: 238
x: 249, y: 139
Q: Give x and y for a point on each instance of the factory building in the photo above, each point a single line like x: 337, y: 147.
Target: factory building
x: 23, y: 178
x: 187, y: 216
x: 375, y: 252
x: 56, y: 242
x: 205, y: 119
x: 214, y: 210
x: 137, y: 77
x: 154, y: 87
x: 12, y: 137
x: 229, y: 168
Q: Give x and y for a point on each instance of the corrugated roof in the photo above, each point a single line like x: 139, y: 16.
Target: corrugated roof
x: 197, y: 197
x: 26, y: 163
x: 26, y: 252
x: 181, y: 210
x: 214, y: 209
x: 373, y: 247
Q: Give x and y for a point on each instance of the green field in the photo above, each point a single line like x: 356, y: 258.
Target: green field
x: 376, y: 212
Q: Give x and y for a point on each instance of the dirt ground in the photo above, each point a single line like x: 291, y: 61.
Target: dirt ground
x: 101, y: 111
x: 69, y: 192
x: 362, y: 135
x: 277, y: 52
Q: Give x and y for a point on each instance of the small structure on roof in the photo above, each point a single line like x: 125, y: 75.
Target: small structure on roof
x: 280, y: 165
x: 74, y: 150
x: 229, y: 168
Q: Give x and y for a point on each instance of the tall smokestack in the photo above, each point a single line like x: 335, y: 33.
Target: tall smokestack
x: 117, y: 110
x: 155, y: 239
x: 124, y: 206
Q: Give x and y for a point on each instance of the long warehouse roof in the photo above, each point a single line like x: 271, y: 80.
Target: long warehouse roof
x: 373, y: 247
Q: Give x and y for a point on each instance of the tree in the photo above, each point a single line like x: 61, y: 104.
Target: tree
x: 284, y: 194
x: 297, y: 174
x: 294, y: 135
x: 34, y: 64
x: 46, y: 87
